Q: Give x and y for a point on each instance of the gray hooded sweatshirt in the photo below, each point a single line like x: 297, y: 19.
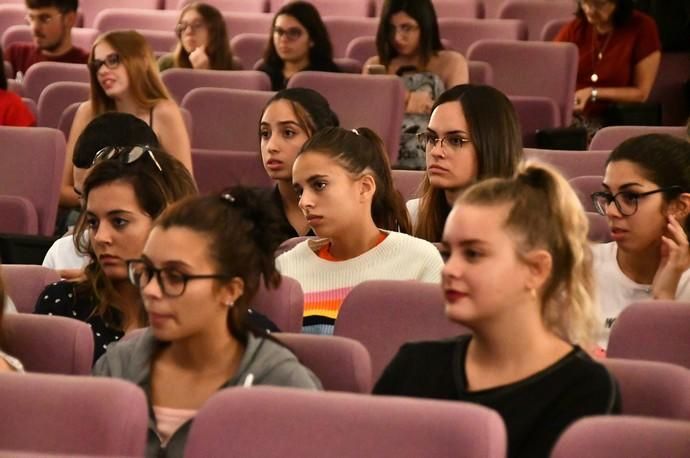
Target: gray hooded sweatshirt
x: 264, y: 362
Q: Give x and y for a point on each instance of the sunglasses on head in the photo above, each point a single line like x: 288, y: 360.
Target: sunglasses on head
x: 111, y: 61
x: 125, y: 154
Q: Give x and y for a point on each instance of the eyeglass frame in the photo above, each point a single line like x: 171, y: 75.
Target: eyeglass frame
x: 119, y: 151
x: 155, y: 272
x: 43, y: 18
x: 181, y: 27
x: 610, y: 197
x: 290, y: 34
x: 403, y: 29
x: 435, y: 139
x: 96, y: 64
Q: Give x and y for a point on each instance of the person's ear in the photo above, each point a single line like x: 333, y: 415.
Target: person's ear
x: 539, y: 266
x: 70, y: 18
x: 679, y: 208
x: 231, y: 290
x: 367, y: 187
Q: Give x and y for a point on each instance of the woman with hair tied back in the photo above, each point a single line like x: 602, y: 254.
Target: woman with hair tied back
x: 646, y: 199
x: 198, y: 273
x: 518, y: 274
x: 125, y: 78
x: 345, y: 189
x: 203, y: 40
x: 473, y: 134
x: 299, y: 41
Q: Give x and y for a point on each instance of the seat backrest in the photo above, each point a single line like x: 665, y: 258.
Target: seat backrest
x: 40, y: 151
x: 654, y: 331
x: 239, y: 110
x: 584, y: 186
x: 12, y: 14
x: 15, y: 86
x: 67, y: 118
x: 535, y: 113
x: 342, y: 30
x: 283, y: 305
x: 239, y: 6
x: 18, y: 216
x: 480, y: 73
x: 612, y: 136
x: 31, y: 105
x: 632, y: 437
x: 361, y: 48
x: 408, y: 182
x: 249, y: 48
x: 182, y: 80
x: 546, y: 69
x: 356, y: 8
x: 340, y: 363
x: 652, y: 389
x: 598, y: 228
x: 374, y: 101
x: 536, y: 14
x: 121, y: 17
x: 91, y: 8
x: 551, y: 29
x: 669, y: 86
x: 571, y: 163
x: 83, y: 37
x: 75, y: 416
x: 56, y: 97
x: 16, y: 34
x: 462, y: 33
x: 306, y: 423
x: 237, y: 23
x: 464, y: 9
x: 384, y: 314
x: 41, y: 74
x: 49, y: 344
x: 160, y: 41
x: 24, y: 282
x: 215, y: 170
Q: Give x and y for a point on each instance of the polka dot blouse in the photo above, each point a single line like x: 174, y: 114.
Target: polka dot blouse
x: 61, y: 299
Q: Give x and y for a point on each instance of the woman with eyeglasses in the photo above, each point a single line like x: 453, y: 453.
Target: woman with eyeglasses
x: 619, y: 55
x: 646, y: 199
x: 199, y: 271
x: 125, y: 78
x: 203, y: 41
x: 473, y: 134
x: 299, y: 41
x: 409, y: 45
x: 127, y: 188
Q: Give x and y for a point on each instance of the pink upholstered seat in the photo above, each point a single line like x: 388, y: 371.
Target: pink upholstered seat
x: 342, y: 30
x: 283, y: 305
x: 249, y: 48
x: 480, y: 73
x: 11, y: 14
x: 56, y: 97
x: 551, y: 29
x: 536, y: 14
x: 25, y: 282
x: 40, y: 75
x: 408, y: 182
x: 238, y: 23
x: 160, y: 41
x: 584, y: 186
x: 598, y: 228
x: 669, y: 87
x: 182, y: 80
x: 216, y: 170
x: 130, y: 18
x: 462, y: 33
x: 356, y: 8
x: 91, y: 8
x: 18, y: 216
x: 611, y: 137
x: 571, y: 163
x: 535, y: 113
x: 239, y: 6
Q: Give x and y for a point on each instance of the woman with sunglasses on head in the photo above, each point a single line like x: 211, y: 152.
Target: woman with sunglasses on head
x: 408, y: 45
x: 199, y: 270
x: 646, y: 200
x: 345, y: 189
x: 127, y: 188
x: 125, y: 78
x: 473, y: 134
x: 619, y: 55
x: 289, y: 119
x: 299, y: 41
x: 203, y: 41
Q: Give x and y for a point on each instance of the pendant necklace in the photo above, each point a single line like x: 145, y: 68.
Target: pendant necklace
x: 599, y: 54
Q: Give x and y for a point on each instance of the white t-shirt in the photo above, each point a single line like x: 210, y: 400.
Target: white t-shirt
x: 617, y: 291
x: 413, y: 209
x: 63, y: 255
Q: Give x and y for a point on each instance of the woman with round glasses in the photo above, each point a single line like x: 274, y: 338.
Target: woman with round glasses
x: 299, y: 41
x: 473, y: 134
x: 408, y: 45
x: 127, y: 188
x: 203, y: 41
x: 198, y: 273
x: 646, y: 200
x: 619, y: 55
x: 125, y: 78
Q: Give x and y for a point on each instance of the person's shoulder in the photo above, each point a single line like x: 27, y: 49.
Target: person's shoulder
x: 373, y: 60
x: 448, y: 57
x: 274, y: 364
x: 78, y: 55
x: 57, y: 298
x: 127, y: 358
x: 85, y: 110
x: 166, y: 61
x: 592, y: 378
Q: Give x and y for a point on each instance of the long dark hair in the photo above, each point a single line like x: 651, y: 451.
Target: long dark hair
x: 359, y: 150
x: 243, y: 227
x: 218, y: 46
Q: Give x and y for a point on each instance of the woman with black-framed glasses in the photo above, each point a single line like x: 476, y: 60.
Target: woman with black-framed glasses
x: 125, y: 190
x: 198, y: 273
x: 646, y: 199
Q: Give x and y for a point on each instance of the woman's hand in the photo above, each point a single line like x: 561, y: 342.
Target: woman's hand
x: 582, y: 97
x: 675, y: 259
x: 198, y: 58
x: 419, y: 102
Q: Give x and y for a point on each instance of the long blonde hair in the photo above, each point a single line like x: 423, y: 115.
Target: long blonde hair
x: 145, y: 84
x: 546, y: 214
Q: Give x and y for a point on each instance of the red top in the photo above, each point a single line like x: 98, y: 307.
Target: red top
x: 13, y: 112
x: 24, y: 55
x: 622, y: 49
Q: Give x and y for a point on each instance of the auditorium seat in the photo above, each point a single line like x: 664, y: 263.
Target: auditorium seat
x: 462, y: 33
x: 535, y: 113
x: 25, y: 282
x: 545, y: 69
x: 56, y: 97
x: 215, y: 170
x: 612, y: 136
x: 39, y: 151
x: 669, y: 88
x: 628, y: 436
x: 249, y: 48
x: 571, y: 163
x: 237, y: 23
x: 342, y: 30
x: 41, y: 74
x: 584, y: 186
x: 49, y: 344
x: 536, y: 14
x: 341, y: 364
x: 283, y: 305
x: 130, y: 18
x: 160, y: 41
x: 463, y: 9
x: 91, y: 8
x: 480, y: 73
x: 239, y: 6
x: 408, y: 182
x: 356, y: 8
x: 18, y: 216
x: 309, y: 424
x: 180, y: 81
x: 653, y: 331
x: 72, y: 416
x: 11, y: 14
x: 385, y: 314
x: 599, y: 231
x: 551, y: 29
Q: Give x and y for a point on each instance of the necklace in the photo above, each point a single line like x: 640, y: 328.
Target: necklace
x: 599, y: 54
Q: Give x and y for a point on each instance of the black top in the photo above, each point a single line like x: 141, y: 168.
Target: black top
x: 62, y: 299
x: 535, y: 410
x: 286, y: 230
x: 278, y: 81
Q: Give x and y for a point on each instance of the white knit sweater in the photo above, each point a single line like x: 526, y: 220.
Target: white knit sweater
x: 326, y: 283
